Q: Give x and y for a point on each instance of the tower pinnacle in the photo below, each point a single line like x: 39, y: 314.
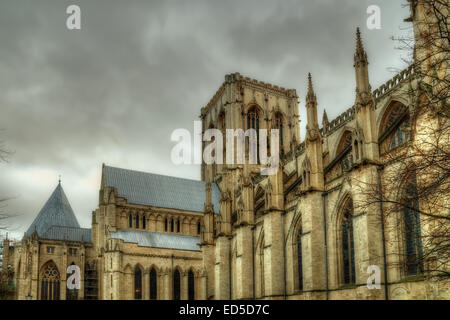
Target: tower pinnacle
x: 360, y: 54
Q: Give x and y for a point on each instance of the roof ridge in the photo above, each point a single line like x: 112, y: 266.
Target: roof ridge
x: 154, y: 174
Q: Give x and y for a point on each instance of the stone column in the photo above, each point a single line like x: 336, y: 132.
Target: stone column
x: 273, y: 255
x: 222, y: 268
x: 167, y: 286
x: 244, y: 259
x: 146, y: 285
x: 184, y: 286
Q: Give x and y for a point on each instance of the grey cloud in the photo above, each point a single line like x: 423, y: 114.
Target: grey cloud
x: 115, y: 90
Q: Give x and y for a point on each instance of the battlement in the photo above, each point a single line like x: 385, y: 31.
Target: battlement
x: 392, y: 83
x: 377, y: 94
x: 237, y: 77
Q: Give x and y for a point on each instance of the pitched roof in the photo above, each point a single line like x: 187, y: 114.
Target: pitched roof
x: 56, y: 212
x: 158, y: 239
x: 68, y: 234
x: 160, y: 191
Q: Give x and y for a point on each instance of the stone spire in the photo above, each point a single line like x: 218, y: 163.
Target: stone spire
x: 325, y: 121
x: 364, y: 105
x: 363, y: 89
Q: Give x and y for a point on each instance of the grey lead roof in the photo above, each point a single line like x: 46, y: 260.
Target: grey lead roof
x: 68, y: 234
x: 56, y: 220
x: 158, y: 239
x: 160, y: 191
x: 56, y: 212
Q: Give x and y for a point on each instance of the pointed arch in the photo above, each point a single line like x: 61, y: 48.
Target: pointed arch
x: 279, y: 122
x: 137, y: 282
x: 394, y: 127
x: 137, y: 219
x: 306, y: 173
x: 50, y: 281
x: 176, y: 284
x: 346, y: 247
x: 191, y: 284
x: 259, y: 266
x: 130, y: 220
x: 297, y: 252
x: 254, y: 115
x: 344, y: 150
x: 153, y: 283
x: 411, y: 226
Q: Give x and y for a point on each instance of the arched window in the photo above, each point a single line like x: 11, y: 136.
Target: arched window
x: 153, y: 284
x: 395, y: 127
x: 413, y: 241
x: 137, y: 283
x: 144, y: 222
x: 279, y: 126
x: 137, y: 221
x: 176, y: 285
x: 130, y: 221
x: 355, y: 147
x: 178, y: 226
x: 191, y: 285
x: 50, y: 282
x: 166, y: 225
x: 348, y: 247
x: 261, y: 269
x: 344, y: 151
x: 71, y: 294
x: 253, y: 123
x: 198, y: 227
x: 299, y: 260
x: 171, y: 225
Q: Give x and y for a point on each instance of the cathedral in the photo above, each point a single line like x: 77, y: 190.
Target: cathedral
x: 237, y: 234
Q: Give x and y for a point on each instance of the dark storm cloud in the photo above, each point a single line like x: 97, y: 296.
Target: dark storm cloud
x: 115, y: 90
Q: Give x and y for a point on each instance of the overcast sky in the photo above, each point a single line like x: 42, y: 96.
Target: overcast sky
x: 114, y: 91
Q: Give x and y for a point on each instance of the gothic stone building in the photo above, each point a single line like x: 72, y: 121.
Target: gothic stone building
x: 296, y: 234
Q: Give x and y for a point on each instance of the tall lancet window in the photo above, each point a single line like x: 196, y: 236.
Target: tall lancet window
x: 137, y: 221
x: 191, y: 285
x: 299, y: 260
x: 130, y: 221
x: 137, y: 283
x: 144, y: 222
x: 153, y: 284
x: 413, y: 240
x: 176, y: 285
x: 279, y: 126
x: 348, y: 247
x: 253, y: 123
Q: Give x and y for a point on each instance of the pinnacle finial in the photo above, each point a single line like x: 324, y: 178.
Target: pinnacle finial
x: 359, y: 45
x: 325, y: 116
x: 59, y: 179
x: 310, y: 86
x: 310, y: 95
x: 360, y: 54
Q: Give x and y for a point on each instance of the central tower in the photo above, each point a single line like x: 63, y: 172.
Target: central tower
x: 243, y: 103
